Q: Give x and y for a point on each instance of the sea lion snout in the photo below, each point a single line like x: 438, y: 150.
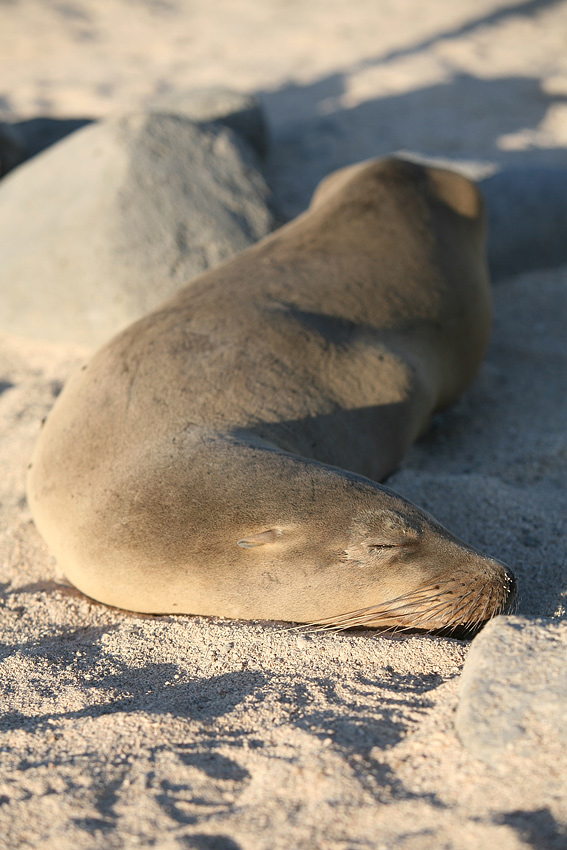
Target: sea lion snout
x: 473, y: 587
x: 419, y: 575
x: 423, y: 592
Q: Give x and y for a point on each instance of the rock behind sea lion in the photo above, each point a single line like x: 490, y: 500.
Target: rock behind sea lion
x: 98, y: 229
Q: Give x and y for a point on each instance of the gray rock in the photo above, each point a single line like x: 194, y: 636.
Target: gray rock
x: 100, y: 228
x: 241, y: 112
x: 20, y: 140
x: 513, y: 692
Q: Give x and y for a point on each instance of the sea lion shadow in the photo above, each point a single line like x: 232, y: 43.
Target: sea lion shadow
x: 488, y: 124
x: 204, y: 841
x: 60, y: 646
x: 344, y: 437
x: 537, y: 828
x: 361, y: 727
x: 58, y: 585
x: 213, y: 764
x: 104, y: 799
x: 344, y: 135
x: 179, y: 800
x: 198, y: 792
x: 149, y: 688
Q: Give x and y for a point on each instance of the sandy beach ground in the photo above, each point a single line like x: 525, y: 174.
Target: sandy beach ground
x: 127, y: 731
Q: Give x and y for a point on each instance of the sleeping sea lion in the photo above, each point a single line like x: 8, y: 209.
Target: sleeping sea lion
x: 220, y: 456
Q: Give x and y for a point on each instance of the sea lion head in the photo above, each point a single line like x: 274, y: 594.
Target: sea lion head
x: 373, y: 559
x: 428, y: 578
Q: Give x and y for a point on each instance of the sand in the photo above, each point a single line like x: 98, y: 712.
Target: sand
x: 119, y: 730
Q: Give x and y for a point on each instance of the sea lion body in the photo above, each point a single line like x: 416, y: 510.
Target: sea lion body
x: 198, y: 464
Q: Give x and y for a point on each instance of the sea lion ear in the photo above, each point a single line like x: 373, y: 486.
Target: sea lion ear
x: 457, y: 192
x: 259, y: 539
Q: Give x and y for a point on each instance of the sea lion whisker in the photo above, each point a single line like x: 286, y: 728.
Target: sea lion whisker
x: 480, y: 612
x: 488, y: 605
x: 469, y: 618
x: 470, y: 604
x: 345, y: 622
x: 371, y: 612
x: 441, y: 603
x: 372, y: 615
x: 409, y: 599
x: 435, y: 610
x: 429, y: 616
x: 420, y: 593
x: 455, y: 611
x: 385, y: 610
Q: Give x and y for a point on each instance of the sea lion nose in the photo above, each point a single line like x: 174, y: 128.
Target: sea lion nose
x: 511, y: 585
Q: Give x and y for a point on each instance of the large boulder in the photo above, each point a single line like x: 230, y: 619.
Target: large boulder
x: 101, y: 227
x: 22, y: 139
x: 240, y: 111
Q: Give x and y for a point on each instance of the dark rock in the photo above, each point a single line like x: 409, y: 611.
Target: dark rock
x: 21, y: 140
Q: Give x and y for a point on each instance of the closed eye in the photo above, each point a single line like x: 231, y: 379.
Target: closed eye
x: 403, y: 544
